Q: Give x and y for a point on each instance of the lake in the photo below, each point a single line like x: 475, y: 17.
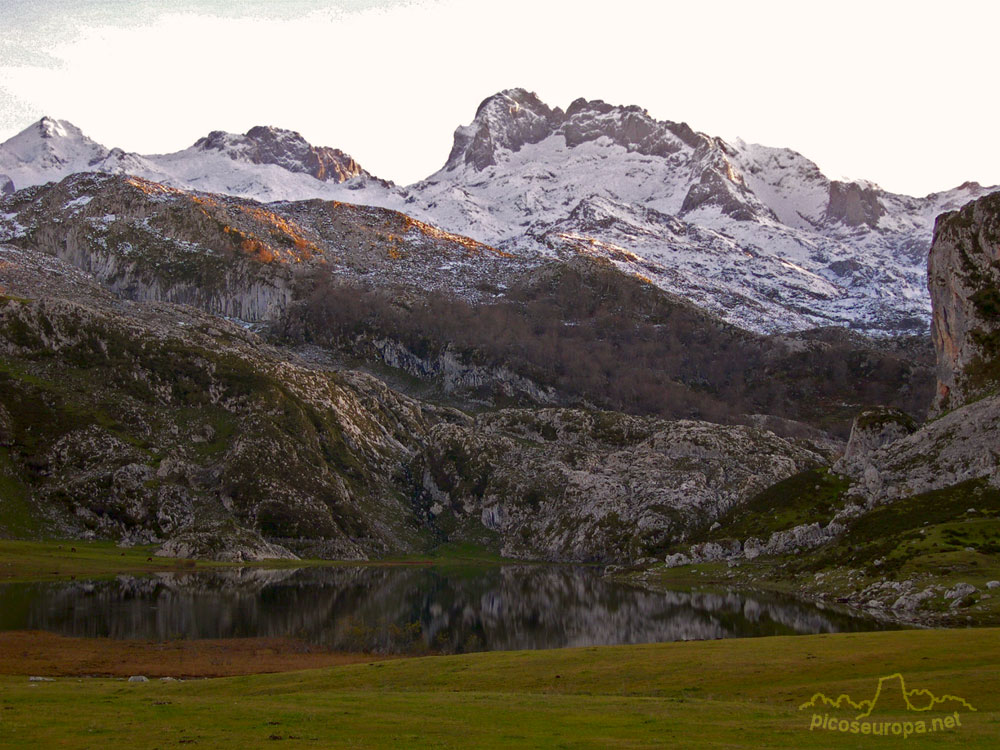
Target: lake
x: 408, y: 609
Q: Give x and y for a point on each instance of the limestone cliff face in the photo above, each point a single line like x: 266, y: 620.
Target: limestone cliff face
x: 964, y: 281
x: 886, y: 457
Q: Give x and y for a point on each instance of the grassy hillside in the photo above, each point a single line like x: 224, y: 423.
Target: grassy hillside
x: 742, y: 693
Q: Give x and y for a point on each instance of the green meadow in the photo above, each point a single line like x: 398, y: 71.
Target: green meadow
x: 739, y: 693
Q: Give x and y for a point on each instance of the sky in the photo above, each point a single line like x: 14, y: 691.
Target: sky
x: 901, y: 93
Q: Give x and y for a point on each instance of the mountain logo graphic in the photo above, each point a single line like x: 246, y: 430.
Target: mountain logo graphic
x: 891, y: 694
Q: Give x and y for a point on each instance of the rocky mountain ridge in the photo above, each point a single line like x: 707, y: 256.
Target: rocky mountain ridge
x: 758, y: 235
x: 284, y: 148
x: 150, y: 394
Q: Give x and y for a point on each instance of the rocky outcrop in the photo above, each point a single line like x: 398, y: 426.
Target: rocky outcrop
x: 722, y: 186
x: 886, y: 456
x: 872, y: 429
x: 576, y: 485
x: 225, y: 542
x: 964, y: 281
x: 6, y: 185
x: 630, y: 127
x: 456, y: 376
x: 854, y: 204
x: 955, y: 448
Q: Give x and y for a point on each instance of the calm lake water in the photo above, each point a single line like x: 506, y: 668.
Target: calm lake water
x: 407, y: 609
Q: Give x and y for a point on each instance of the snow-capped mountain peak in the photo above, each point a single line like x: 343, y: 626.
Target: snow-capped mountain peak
x: 284, y: 148
x: 756, y: 233
x: 793, y: 247
x: 49, y: 147
x: 504, y: 122
x: 265, y: 163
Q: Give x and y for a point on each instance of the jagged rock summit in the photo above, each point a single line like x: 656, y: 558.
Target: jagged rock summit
x: 507, y: 120
x: 284, y: 148
x: 759, y: 235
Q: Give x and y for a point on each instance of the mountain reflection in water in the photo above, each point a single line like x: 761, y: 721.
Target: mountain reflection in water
x: 407, y: 609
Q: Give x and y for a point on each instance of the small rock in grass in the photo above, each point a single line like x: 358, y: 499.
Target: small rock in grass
x: 41, y: 679
x: 138, y: 678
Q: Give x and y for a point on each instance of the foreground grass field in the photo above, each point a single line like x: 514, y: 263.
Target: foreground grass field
x: 741, y: 693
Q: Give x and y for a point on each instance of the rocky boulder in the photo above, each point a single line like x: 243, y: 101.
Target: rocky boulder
x: 226, y: 542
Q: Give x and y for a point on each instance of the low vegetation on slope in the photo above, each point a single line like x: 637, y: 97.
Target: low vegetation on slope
x: 157, y: 423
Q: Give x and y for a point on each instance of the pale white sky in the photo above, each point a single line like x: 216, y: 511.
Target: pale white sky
x: 903, y: 93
